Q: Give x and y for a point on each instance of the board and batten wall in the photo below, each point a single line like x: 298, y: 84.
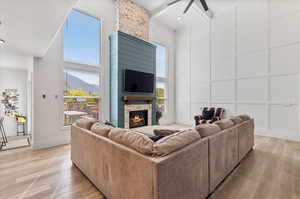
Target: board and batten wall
x: 246, y: 59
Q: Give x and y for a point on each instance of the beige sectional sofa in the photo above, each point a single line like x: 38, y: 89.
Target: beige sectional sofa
x: 188, y: 164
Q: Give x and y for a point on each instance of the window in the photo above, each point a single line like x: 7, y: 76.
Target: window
x: 82, y: 67
x: 82, y: 39
x: 81, y: 95
x: 161, y: 77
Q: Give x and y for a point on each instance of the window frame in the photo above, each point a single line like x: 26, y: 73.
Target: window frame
x: 100, y: 43
x: 69, y: 65
x: 164, y: 80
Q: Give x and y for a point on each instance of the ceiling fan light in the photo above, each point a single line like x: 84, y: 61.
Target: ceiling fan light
x: 179, y: 18
x: 210, y: 13
x: 2, y: 41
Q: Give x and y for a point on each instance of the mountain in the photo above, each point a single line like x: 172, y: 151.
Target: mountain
x: 75, y: 83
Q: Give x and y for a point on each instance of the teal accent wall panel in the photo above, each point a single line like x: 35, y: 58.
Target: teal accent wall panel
x: 114, y: 92
x: 128, y: 52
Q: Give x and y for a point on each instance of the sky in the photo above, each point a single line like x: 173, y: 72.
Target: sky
x: 160, y: 60
x: 82, y: 39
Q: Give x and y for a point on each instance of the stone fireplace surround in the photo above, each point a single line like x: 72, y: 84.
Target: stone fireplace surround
x: 137, y: 107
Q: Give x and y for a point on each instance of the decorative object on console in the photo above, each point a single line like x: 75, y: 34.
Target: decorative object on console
x: 209, y: 115
x: 10, y: 98
x: 158, y: 115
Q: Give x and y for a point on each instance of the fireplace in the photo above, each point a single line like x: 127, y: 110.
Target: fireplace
x: 138, y: 118
x: 137, y: 115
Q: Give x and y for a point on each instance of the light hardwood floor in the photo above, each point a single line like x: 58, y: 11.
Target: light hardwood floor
x: 270, y: 171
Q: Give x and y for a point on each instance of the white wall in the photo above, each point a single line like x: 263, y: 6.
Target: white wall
x: 48, y: 79
x: 192, y: 78
x: 164, y: 35
x: 47, y: 114
x: 13, y: 79
x: 254, y: 50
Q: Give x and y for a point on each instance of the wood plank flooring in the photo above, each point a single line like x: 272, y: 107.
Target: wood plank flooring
x: 270, y: 171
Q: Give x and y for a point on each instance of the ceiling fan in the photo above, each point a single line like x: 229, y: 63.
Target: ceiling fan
x: 203, y: 3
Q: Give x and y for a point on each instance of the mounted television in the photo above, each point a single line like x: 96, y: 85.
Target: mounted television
x: 138, y: 82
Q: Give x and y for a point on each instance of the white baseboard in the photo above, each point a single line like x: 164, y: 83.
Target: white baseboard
x: 55, y: 141
x: 280, y: 134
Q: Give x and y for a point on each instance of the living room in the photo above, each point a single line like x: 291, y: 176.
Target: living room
x: 150, y: 99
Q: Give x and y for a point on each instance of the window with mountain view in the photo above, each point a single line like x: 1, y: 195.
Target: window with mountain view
x: 82, y: 67
x: 161, y: 77
x: 82, y: 95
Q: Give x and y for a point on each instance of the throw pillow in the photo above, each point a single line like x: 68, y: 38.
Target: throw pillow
x: 156, y: 137
x: 164, y: 132
x: 108, y: 123
x: 175, y: 142
x: 101, y: 129
x: 208, y: 114
x: 225, y: 124
x: 236, y: 120
x: 245, y: 117
x: 206, y: 130
x: 85, y: 123
x: 132, y: 139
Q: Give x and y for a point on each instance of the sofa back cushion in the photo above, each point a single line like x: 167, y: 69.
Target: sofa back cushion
x: 206, y: 130
x: 85, y: 123
x: 132, y: 139
x: 101, y: 129
x: 245, y: 117
x: 225, y: 124
x: 236, y: 120
x: 175, y: 141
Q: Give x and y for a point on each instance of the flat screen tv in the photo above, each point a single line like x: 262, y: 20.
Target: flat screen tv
x: 138, y: 82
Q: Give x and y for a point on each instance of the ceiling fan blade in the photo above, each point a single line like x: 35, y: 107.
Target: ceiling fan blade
x: 203, y: 2
x: 173, y: 2
x: 188, y: 6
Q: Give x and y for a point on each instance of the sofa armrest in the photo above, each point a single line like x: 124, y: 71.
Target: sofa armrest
x: 223, y: 155
x: 116, y: 170
x: 184, y: 173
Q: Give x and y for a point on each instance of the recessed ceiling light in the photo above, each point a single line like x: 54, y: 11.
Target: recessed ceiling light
x: 2, y: 41
x: 179, y: 18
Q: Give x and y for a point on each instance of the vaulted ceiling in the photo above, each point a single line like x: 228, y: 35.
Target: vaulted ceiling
x: 193, y: 18
x: 28, y: 26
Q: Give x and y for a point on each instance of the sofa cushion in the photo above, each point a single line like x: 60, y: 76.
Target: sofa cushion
x: 101, y: 129
x: 164, y: 132
x: 155, y: 138
x: 225, y: 124
x: 175, y: 141
x: 206, y: 130
x: 236, y: 120
x: 85, y: 123
x: 245, y: 117
x: 132, y: 139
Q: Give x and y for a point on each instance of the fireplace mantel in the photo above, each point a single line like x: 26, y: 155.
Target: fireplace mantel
x: 133, y: 98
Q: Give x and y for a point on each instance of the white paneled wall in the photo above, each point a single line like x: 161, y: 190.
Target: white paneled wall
x: 247, y: 60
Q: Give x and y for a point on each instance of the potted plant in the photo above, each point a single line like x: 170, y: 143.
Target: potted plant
x: 158, y: 114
